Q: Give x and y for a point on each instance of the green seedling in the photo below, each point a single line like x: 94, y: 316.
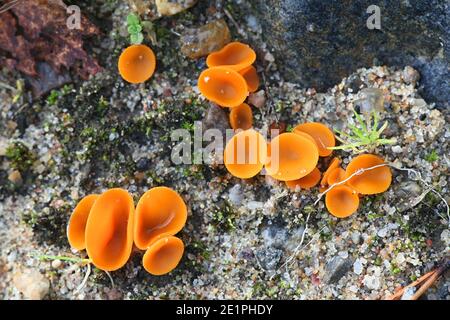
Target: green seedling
x: 365, y: 136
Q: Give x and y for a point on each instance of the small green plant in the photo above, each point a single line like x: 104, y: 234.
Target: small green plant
x: 364, y: 137
x: 135, y: 29
x: 53, y: 97
x: 432, y: 156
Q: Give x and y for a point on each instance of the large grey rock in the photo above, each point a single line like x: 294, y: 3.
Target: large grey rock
x: 317, y: 42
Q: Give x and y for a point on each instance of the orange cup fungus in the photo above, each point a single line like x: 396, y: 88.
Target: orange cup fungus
x: 77, y: 222
x: 224, y: 86
x: 160, y: 212
x: 107, y: 225
x: 109, y: 229
x: 336, y: 175
x: 245, y: 154
x: 342, y: 201
x: 307, y: 182
x: 235, y: 55
x: 372, y: 181
x: 333, y: 165
x: 297, y: 156
x: 241, y: 117
x: 163, y: 255
x: 251, y: 77
x: 137, y: 63
x: 323, y: 136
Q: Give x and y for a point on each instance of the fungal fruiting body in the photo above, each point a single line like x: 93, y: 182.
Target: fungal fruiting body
x: 307, y: 182
x: 163, y: 255
x: 245, y: 154
x: 241, y: 117
x: 109, y: 229
x: 235, y: 55
x: 76, y: 229
x: 333, y: 165
x: 224, y: 86
x: 371, y: 181
x: 292, y: 157
x: 137, y: 63
x: 251, y: 77
x: 323, y: 136
x: 336, y: 175
x: 342, y: 201
x: 160, y: 212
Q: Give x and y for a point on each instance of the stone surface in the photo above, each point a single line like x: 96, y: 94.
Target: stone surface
x: 318, y: 42
x: 336, y: 268
x: 199, y: 42
x: 32, y: 284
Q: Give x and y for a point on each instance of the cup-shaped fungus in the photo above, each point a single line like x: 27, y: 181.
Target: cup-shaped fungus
x: 371, y: 181
x: 292, y: 157
x: 251, y: 77
x: 336, y: 175
x: 235, y: 55
x: 341, y: 201
x: 333, y: 165
x: 241, y: 117
x: 76, y: 229
x: 109, y: 229
x: 163, y: 255
x: 307, y: 182
x: 223, y: 86
x: 323, y: 136
x: 137, y: 63
x: 245, y: 154
x: 160, y: 212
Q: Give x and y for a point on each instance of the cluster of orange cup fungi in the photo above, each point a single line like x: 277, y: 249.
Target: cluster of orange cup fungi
x: 108, y: 224
x: 247, y: 153
x: 229, y: 79
x: 137, y: 63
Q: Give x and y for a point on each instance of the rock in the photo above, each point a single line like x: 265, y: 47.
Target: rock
x: 56, y: 264
x: 373, y: 100
x: 409, y: 195
x: 235, y: 195
x: 269, y: 258
x: 15, y: 177
x: 372, y: 282
x: 410, y: 75
x: 358, y: 267
x: 336, y: 268
x: 199, y: 42
x: 32, y: 284
x: 409, y: 292
x: 317, y: 43
x: 143, y: 164
x: 257, y: 99
x: 171, y: 7
x: 216, y: 118
x: 274, y: 236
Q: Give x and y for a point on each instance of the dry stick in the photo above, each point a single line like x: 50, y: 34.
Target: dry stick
x: 429, y: 282
x: 236, y: 25
x: 419, y: 281
x: 83, y: 283
x: 9, y: 5
x: 416, y: 173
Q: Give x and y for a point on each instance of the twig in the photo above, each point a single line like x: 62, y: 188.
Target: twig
x: 110, y: 279
x: 7, y: 86
x: 418, y: 177
x: 236, y: 25
x: 9, y: 5
x: 356, y: 173
x: 83, y: 283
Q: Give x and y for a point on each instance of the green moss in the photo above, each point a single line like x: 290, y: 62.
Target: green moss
x: 20, y: 156
x: 224, y: 217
